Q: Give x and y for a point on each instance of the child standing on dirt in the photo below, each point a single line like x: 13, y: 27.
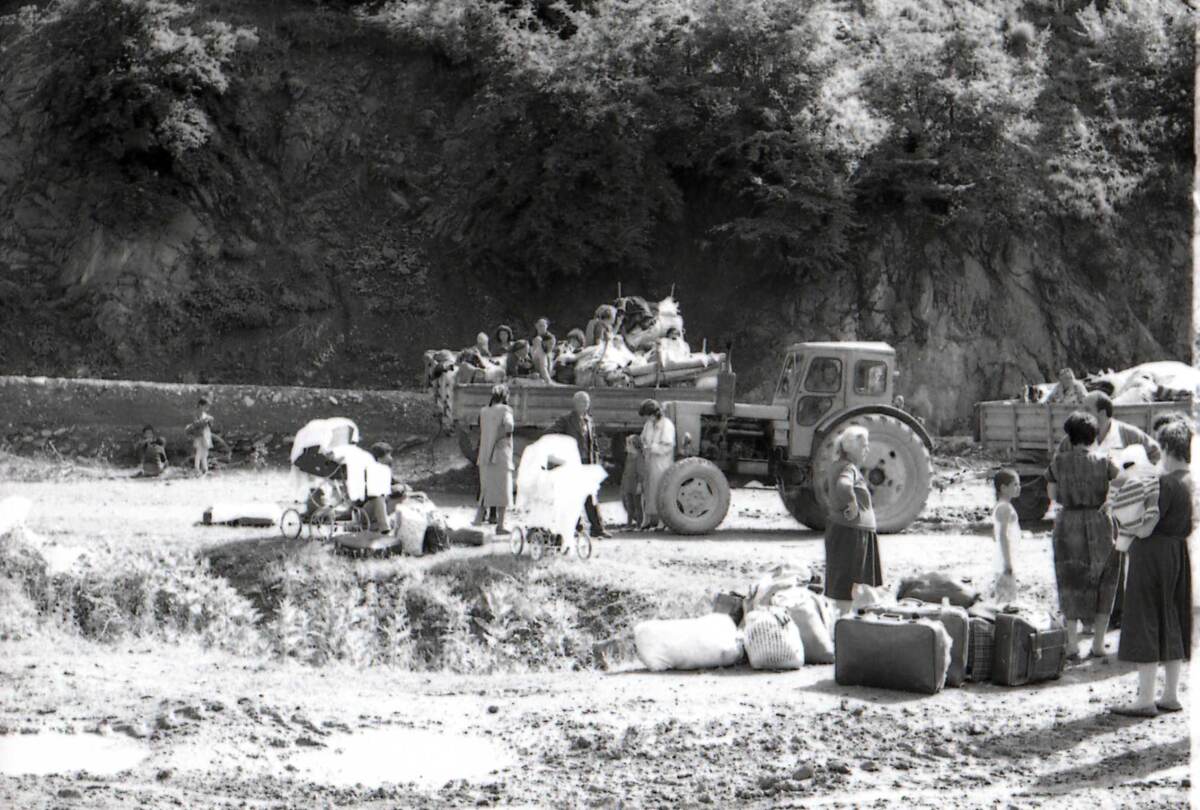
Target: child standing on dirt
x: 631, y: 480
x: 200, y: 430
x: 1006, y: 529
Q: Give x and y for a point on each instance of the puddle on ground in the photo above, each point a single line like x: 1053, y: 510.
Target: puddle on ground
x: 43, y: 754
x: 380, y: 756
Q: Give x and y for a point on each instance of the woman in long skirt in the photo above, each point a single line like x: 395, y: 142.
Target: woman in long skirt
x: 851, y: 545
x: 1157, y: 624
x: 495, y: 457
x: 658, y: 452
x: 1086, y: 561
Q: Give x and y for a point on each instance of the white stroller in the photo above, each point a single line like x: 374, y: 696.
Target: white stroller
x: 552, y: 486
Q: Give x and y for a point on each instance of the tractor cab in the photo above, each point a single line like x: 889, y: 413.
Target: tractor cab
x: 820, y: 381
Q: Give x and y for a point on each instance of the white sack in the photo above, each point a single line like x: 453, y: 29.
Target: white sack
x: 411, y: 523
x: 773, y: 640
x: 14, y: 511
x: 705, y: 642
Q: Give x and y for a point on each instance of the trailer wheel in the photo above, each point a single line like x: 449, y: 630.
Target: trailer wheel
x: 693, y: 496
x: 898, y: 470
x: 1034, y: 500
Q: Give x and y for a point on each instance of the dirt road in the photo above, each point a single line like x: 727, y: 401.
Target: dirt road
x: 172, y: 724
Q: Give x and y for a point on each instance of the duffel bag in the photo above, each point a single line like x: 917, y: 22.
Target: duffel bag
x: 891, y: 652
x: 957, y: 625
x: 934, y: 587
x: 810, y: 612
x: 705, y: 642
x: 1026, y: 651
x: 773, y: 640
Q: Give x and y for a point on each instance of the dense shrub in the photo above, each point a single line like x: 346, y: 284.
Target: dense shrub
x: 593, y: 122
x: 132, y: 76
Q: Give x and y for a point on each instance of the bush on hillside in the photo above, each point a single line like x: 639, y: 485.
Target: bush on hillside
x: 132, y: 76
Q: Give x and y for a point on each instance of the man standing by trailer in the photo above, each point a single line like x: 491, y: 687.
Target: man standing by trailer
x: 579, y: 426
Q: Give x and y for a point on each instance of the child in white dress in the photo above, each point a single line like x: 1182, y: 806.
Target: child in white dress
x: 1006, y: 530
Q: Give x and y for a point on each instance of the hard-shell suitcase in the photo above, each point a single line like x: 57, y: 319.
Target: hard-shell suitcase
x: 1025, y: 653
x: 957, y: 624
x: 981, y: 649
x: 891, y: 652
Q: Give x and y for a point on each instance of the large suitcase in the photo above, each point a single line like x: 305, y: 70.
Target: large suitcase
x: 957, y: 624
x: 1025, y: 653
x: 980, y: 650
x: 891, y: 652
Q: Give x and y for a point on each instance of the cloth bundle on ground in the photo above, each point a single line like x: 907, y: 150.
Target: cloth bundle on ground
x: 552, y: 484
x: 773, y: 640
x: 245, y: 513
x: 934, y: 587
x: 773, y: 580
x: 704, y: 642
x: 810, y: 612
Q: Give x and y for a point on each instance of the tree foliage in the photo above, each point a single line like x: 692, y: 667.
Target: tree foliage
x: 131, y: 76
x: 595, y: 119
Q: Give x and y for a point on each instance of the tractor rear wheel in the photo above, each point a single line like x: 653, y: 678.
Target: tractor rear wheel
x: 898, y: 470
x: 803, y: 504
x: 693, y: 496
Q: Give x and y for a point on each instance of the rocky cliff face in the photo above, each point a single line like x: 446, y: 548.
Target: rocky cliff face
x: 295, y: 252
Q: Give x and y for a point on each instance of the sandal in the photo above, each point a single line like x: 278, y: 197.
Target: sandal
x: 1169, y: 708
x: 1134, y: 711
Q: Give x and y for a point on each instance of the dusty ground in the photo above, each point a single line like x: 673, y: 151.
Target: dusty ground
x: 183, y: 726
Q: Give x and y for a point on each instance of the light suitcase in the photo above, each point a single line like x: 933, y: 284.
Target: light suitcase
x: 980, y: 649
x: 890, y: 652
x: 1025, y: 653
x: 957, y: 624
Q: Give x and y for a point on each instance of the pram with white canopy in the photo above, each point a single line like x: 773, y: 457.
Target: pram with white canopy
x: 335, y: 477
x: 552, y: 486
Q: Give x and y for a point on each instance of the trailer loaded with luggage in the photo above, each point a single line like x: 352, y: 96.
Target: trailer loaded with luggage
x: 783, y: 622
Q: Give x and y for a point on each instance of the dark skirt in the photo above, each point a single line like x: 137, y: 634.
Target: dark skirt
x: 851, y: 555
x: 1157, y: 621
x: 1086, y: 563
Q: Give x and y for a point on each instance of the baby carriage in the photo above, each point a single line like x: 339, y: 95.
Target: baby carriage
x: 323, y: 454
x: 552, y: 486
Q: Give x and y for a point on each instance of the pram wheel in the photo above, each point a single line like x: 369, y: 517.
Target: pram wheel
x: 537, y: 543
x: 291, y: 524
x: 322, y: 524
x: 516, y: 541
x: 583, y: 545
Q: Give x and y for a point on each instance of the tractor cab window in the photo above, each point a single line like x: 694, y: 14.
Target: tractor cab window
x: 870, y: 377
x: 810, y: 409
x: 824, y: 375
x: 787, y: 378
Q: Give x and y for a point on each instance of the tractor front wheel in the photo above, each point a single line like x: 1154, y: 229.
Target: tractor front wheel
x: 693, y: 496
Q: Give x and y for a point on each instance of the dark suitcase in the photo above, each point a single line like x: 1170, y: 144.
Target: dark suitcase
x: 981, y: 648
x: 889, y: 652
x: 1023, y: 653
x: 954, y: 619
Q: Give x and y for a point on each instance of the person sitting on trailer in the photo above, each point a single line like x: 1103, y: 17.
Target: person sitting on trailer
x: 519, y: 362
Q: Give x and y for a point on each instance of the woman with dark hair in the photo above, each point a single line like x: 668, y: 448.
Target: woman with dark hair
x: 658, y: 450
x: 1156, y: 626
x: 504, y: 339
x: 1086, y: 562
x: 495, y: 457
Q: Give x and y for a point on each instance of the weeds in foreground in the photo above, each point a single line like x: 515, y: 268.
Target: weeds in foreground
x: 492, y: 613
